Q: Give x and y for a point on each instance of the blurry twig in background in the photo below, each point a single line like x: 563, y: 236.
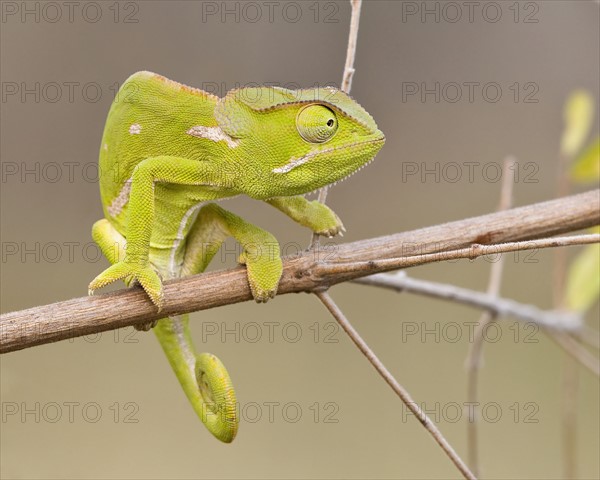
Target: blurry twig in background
x: 475, y: 355
x: 589, y: 336
x: 346, y: 82
x: 498, y: 307
x: 577, y: 352
x: 393, y: 383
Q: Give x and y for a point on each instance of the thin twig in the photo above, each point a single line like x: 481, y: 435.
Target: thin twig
x: 570, y: 384
x: 302, y: 273
x: 351, y: 51
x: 346, y: 83
x: 578, y: 352
x: 474, y: 251
x: 393, y: 383
x: 589, y: 336
x: 500, y: 307
x: 569, y: 372
x: 475, y: 354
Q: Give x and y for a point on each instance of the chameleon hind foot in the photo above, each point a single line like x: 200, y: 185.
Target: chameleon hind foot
x: 263, y: 271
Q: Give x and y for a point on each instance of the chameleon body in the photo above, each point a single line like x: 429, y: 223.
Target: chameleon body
x: 170, y: 151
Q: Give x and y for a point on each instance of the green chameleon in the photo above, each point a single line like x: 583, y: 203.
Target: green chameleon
x: 170, y: 151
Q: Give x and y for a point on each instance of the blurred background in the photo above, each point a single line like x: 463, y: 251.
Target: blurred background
x: 455, y: 88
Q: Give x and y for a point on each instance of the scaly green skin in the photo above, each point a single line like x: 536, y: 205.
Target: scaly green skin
x: 170, y: 150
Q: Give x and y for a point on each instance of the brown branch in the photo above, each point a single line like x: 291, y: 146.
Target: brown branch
x: 303, y: 273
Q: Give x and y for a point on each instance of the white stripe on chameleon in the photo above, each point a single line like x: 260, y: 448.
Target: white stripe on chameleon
x: 190, y: 357
x: 173, y: 270
x: 118, y: 203
x: 214, y: 134
x: 296, y: 162
x: 135, y: 129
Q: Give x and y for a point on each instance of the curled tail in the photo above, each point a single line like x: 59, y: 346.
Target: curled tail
x: 203, y: 377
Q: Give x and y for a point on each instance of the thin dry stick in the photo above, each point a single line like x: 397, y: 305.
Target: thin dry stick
x: 589, y: 336
x: 577, y: 352
x: 303, y: 273
x: 475, y: 354
x: 570, y: 378
x: 346, y: 81
x: 570, y: 384
x: 351, y: 51
x: 474, y: 251
x: 393, y: 383
x: 500, y: 307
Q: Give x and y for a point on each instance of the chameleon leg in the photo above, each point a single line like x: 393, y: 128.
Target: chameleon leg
x: 140, y: 219
x: 260, y: 249
x: 312, y: 214
x: 202, y: 376
x: 111, y: 242
x: 113, y: 246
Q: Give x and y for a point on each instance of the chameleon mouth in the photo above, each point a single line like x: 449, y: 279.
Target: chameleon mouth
x: 379, y: 140
x: 296, y: 162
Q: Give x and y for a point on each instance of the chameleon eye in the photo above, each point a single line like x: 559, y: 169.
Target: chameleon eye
x: 316, y: 123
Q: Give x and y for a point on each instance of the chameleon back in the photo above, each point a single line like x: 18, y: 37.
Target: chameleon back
x: 149, y: 117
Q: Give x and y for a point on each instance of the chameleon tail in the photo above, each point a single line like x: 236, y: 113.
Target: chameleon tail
x: 203, y: 377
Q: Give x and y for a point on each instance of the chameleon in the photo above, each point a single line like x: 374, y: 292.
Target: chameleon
x: 170, y: 152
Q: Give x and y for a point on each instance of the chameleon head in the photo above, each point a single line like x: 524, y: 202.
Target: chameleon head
x: 296, y: 141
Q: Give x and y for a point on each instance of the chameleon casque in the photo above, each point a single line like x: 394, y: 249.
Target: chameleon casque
x: 170, y: 151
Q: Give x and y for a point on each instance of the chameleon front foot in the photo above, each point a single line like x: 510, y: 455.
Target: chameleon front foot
x: 332, y: 231
x: 324, y: 221
x: 144, y: 274
x: 312, y: 214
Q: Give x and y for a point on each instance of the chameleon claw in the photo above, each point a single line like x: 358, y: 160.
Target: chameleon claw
x: 145, y: 275
x: 155, y: 294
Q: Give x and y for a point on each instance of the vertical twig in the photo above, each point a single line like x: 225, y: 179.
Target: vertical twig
x: 570, y: 378
x: 476, y: 348
x: 576, y: 352
x: 393, y: 383
x: 570, y: 384
x: 346, y: 83
x: 351, y: 52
